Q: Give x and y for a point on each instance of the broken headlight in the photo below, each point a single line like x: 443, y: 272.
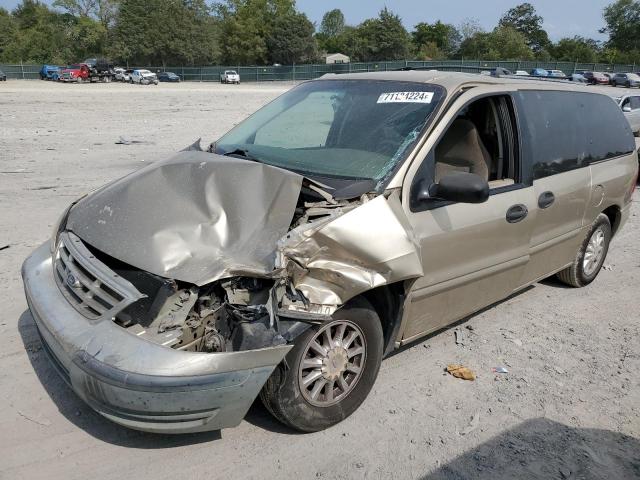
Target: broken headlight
x: 60, y: 225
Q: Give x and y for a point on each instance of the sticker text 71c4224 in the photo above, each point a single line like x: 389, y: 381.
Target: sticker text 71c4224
x: 406, y: 97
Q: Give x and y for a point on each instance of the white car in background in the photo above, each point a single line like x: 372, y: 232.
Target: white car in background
x: 143, y: 77
x: 521, y: 73
x: 121, y: 74
x: 630, y: 105
x: 230, y: 76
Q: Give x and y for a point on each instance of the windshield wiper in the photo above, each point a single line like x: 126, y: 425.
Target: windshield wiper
x: 239, y: 152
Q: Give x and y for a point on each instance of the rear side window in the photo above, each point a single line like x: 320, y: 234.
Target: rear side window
x: 563, y: 131
x: 635, y: 103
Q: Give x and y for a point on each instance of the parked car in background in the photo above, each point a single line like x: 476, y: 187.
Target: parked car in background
x: 77, y: 73
x: 539, y: 72
x: 47, y: 71
x: 610, y: 76
x: 557, y: 74
x: 630, y: 105
x: 123, y: 75
x: 521, y: 73
x: 3, y: 76
x: 577, y: 77
x: 168, y: 77
x: 230, y: 76
x: 351, y: 216
x: 143, y: 77
x: 628, y: 80
x: 118, y: 74
x: 596, y: 78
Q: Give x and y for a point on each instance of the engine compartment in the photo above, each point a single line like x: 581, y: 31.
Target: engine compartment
x: 227, y: 315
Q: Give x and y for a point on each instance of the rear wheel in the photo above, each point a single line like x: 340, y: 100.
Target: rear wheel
x: 591, y: 255
x: 329, y: 372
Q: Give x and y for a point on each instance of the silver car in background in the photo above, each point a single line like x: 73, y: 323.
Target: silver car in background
x: 230, y: 76
x: 630, y: 105
x: 143, y: 77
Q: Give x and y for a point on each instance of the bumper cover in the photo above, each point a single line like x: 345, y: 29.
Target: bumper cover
x: 137, y: 383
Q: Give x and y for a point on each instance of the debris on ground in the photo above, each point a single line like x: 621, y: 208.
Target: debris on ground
x: 4, y: 247
x: 473, y: 424
x: 460, y: 371
x: 459, y: 334
x: 499, y: 370
x: 131, y: 141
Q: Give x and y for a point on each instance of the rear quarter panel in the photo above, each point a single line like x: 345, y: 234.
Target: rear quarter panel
x: 612, y: 181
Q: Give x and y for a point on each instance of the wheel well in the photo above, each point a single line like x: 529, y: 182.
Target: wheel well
x: 388, y: 302
x: 614, y: 214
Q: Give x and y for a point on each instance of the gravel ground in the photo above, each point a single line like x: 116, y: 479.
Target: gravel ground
x: 568, y: 408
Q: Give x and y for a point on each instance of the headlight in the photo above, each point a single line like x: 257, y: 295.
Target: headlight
x: 60, y: 225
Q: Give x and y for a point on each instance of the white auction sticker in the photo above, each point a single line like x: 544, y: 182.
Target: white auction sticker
x: 406, y: 97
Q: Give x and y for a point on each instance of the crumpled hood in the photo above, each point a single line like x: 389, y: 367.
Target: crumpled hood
x: 197, y: 217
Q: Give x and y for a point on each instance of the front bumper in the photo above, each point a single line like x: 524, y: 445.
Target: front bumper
x: 137, y: 383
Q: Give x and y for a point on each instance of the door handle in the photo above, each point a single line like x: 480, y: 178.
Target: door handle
x: 517, y: 213
x: 546, y: 199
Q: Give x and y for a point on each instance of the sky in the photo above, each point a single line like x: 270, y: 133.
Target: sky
x: 562, y: 18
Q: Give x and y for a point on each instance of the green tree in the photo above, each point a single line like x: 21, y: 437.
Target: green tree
x: 334, y: 33
x: 103, y: 10
x: 525, y: 20
x: 332, y: 23
x: 443, y: 36
x: 165, y: 31
x: 503, y: 43
x: 468, y: 28
x: 292, y: 41
x: 41, y: 35
x: 245, y: 26
x: 578, y: 49
x: 9, y: 29
x: 382, y: 38
x: 623, y: 25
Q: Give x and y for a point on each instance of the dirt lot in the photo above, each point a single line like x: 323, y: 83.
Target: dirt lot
x: 568, y: 408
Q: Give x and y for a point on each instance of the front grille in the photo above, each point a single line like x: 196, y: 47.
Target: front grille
x: 91, y: 287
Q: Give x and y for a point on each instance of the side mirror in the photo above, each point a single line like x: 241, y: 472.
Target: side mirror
x: 626, y: 109
x: 459, y: 187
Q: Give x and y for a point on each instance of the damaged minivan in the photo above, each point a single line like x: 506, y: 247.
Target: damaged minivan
x: 348, y: 217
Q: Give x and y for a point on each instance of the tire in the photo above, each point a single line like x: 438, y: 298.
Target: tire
x: 291, y: 403
x: 580, y: 273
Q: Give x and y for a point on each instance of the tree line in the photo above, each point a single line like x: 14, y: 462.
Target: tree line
x: 265, y: 32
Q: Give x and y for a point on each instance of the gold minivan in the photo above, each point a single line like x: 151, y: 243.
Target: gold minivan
x: 353, y: 214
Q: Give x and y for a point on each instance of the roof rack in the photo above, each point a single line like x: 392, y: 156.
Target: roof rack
x: 461, y: 69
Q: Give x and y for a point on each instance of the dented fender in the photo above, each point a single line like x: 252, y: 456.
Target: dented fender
x: 347, y: 254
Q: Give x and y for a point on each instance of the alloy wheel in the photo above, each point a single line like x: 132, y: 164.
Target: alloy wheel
x: 332, y: 363
x: 594, y: 252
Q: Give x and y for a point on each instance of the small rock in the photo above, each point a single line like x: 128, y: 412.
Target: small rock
x: 565, y: 472
x: 359, y: 465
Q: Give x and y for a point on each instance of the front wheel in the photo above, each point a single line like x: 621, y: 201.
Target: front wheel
x: 591, y: 255
x: 329, y: 372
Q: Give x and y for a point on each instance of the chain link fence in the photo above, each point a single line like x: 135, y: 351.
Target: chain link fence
x: 310, y: 71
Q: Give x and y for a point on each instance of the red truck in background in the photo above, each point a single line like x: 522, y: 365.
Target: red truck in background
x: 91, y: 70
x: 74, y: 73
